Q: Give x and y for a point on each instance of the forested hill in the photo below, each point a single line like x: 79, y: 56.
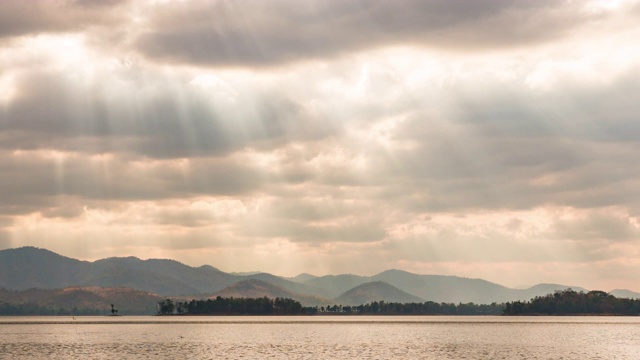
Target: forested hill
x: 77, y: 301
x: 375, y: 291
x: 571, y: 302
x: 28, y: 267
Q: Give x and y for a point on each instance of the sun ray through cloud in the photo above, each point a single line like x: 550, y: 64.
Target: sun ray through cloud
x: 497, y: 139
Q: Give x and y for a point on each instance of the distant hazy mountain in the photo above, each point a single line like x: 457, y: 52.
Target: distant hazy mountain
x: 543, y: 289
x: 438, y: 288
x: 165, y: 277
x: 337, y: 284
x: 295, y: 287
x: 254, y: 288
x: 621, y: 293
x: 126, y: 301
x: 244, y: 273
x: 30, y: 267
x: 375, y: 291
x: 302, y: 278
x: 441, y: 288
x: 454, y: 289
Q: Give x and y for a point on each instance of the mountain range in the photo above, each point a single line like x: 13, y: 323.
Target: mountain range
x: 78, y: 300
x: 34, y: 268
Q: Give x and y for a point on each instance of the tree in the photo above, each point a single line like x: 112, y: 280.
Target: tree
x: 570, y: 302
x: 166, y: 307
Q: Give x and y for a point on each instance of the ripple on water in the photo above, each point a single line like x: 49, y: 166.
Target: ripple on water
x: 335, y: 340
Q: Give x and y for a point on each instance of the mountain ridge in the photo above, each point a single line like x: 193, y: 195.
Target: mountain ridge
x: 30, y: 267
x: 84, y: 300
x: 253, y: 288
x: 375, y: 291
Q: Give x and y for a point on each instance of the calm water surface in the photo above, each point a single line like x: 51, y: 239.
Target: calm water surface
x: 328, y: 337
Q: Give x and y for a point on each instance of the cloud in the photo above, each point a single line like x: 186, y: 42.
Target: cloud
x: 315, y: 221
x: 607, y: 226
x: 18, y: 18
x: 39, y: 180
x: 220, y: 33
x: 514, y: 148
x: 460, y: 137
x: 5, y: 240
x: 148, y: 117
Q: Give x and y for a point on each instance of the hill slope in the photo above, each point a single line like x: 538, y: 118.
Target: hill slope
x: 126, y: 301
x: 335, y: 285
x: 450, y: 289
x: 254, y: 288
x: 621, y: 293
x: 438, y: 288
x: 29, y: 267
x: 375, y: 291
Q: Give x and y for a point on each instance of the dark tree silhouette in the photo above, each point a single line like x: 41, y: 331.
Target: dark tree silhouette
x: 166, y: 307
x: 570, y: 302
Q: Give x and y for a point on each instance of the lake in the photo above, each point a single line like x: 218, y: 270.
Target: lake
x: 320, y: 337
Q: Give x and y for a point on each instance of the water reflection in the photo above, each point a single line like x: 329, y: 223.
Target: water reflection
x: 318, y: 337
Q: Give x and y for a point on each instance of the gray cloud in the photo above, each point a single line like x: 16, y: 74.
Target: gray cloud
x: 314, y: 219
x: 52, y: 111
x: 262, y: 33
x: 454, y: 245
x: 5, y: 240
x: 38, y: 16
x: 307, y: 232
x: 608, y: 227
x: 361, y: 231
x: 5, y: 221
x: 183, y: 218
x: 517, y: 149
x: 501, y: 148
x: 320, y: 209
x: 32, y: 183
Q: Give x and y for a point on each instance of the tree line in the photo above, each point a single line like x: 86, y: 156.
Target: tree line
x: 396, y: 308
x: 232, y: 306
x: 285, y: 306
x: 566, y: 302
x: 571, y: 302
x: 35, y: 309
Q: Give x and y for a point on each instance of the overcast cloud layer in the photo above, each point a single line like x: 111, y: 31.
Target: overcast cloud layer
x: 493, y: 139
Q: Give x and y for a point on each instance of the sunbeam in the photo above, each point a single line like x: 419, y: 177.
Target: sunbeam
x: 327, y: 137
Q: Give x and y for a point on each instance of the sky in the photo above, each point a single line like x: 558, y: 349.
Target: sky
x: 494, y: 139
